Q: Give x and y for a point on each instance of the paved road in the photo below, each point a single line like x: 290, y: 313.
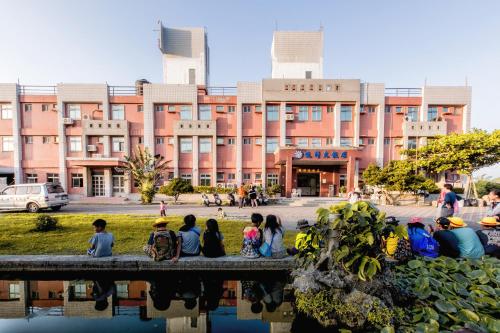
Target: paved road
x: 288, y: 214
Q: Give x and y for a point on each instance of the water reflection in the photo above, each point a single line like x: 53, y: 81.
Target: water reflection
x: 162, y: 304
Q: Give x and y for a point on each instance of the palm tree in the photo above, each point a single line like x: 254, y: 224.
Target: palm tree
x: 146, y: 170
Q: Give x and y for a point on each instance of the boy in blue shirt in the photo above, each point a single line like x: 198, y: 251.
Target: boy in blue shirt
x: 102, y: 242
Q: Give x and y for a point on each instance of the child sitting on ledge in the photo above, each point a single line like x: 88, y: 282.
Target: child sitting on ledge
x: 102, y: 242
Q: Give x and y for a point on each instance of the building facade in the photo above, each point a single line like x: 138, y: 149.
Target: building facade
x: 296, y: 129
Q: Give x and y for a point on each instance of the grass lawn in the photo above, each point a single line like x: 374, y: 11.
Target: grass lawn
x: 131, y: 233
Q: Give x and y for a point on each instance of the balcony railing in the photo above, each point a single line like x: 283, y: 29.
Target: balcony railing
x: 403, y: 92
x: 221, y: 91
x: 37, y: 90
x: 122, y: 90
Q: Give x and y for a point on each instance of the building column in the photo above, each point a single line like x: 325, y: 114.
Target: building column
x: 214, y: 160
x: 84, y: 146
x: 86, y: 182
x: 466, y: 118
x: 63, y: 145
x: 108, y: 183
x: 149, y: 118
x: 350, y: 174
x: 239, y: 143
x: 356, y: 116
x: 16, y: 137
x: 336, y: 125
x: 263, y: 152
x: 175, y: 158
x: 288, y: 177
x: 282, y: 124
x: 196, y: 155
x: 107, y: 146
x: 424, y: 107
x: 356, y: 173
x: 379, y: 152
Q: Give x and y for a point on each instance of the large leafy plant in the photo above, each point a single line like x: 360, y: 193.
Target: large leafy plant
x: 451, y: 294
x: 357, y: 229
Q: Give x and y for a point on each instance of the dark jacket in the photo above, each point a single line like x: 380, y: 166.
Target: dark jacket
x: 212, y: 244
x: 448, y: 243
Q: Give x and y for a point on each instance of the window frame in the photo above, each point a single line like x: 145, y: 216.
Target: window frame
x: 74, y: 111
x: 274, y: 111
x: 117, y: 111
x: 118, y: 141
x: 344, y: 113
x: 316, y: 110
x: 206, y: 143
x: 186, y: 112
x: 203, y: 111
x: 274, y: 143
x: 303, y: 113
x: 78, y: 177
x: 186, y: 145
x: 6, y: 111
x: 75, y: 143
x: 7, y: 143
x: 205, y: 179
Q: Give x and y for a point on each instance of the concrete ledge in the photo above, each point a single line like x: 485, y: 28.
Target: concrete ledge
x: 130, y: 263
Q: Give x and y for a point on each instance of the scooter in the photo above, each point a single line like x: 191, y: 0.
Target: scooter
x: 231, y: 199
x: 262, y: 200
x: 217, y: 199
x: 205, y: 200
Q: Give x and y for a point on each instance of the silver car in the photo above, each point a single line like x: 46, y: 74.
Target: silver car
x: 33, y: 197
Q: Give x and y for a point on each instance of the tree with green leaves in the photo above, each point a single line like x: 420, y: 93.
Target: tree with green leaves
x: 146, y: 170
x: 398, y: 176
x: 463, y: 153
x: 176, y: 187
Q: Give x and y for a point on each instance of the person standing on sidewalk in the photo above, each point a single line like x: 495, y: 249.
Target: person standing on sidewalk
x: 253, y: 196
x: 449, y: 201
x: 242, y: 193
x: 163, y: 208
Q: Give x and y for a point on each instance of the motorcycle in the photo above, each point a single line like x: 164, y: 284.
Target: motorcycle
x: 205, y: 200
x: 217, y: 199
x: 262, y: 200
x: 231, y: 199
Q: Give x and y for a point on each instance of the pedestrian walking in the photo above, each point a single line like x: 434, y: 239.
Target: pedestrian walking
x: 242, y: 193
x: 163, y: 208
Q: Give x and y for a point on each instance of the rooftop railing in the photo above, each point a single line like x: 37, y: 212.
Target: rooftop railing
x: 221, y: 91
x: 122, y: 91
x: 403, y: 92
x: 37, y: 90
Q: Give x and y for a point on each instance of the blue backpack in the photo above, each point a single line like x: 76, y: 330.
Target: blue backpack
x: 422, y: 243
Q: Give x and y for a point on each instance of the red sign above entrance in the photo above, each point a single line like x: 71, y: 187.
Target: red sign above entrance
x: 319, y: 154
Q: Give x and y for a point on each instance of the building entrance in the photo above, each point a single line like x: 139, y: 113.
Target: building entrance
x: 308, y: 184
x: 98, y: 185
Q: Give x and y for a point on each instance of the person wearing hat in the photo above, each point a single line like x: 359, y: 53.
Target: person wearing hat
x: 448, y: 242
x: 303, y: 240
x: 489, y: 235
x: 162, y: 242
x: 468, y: 241
x: 422, y: 243
x: 494, y: 209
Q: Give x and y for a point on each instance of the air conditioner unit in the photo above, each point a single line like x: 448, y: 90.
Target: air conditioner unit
x: 91, y: 148
x: 68, y: 121
x: 290, y: 117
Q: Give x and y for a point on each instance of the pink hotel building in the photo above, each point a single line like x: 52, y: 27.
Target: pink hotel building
x: 295, y: 128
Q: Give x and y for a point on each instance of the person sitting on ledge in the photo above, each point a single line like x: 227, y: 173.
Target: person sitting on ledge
x: 162, y: 242
x: 102, y: 242
x: 213, y: 240
x: 303, y: 240
x: 448, y: 242
x: 490, y: 236
x: 422, y: 243
x: 252, y: 238
x: 272, y: 245
x: 468, y: 241
x: 188, y: 240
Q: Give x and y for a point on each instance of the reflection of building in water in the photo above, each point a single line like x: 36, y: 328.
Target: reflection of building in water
x: 46, y: 293
x: 13, y: 299
x: 78, y: 301
x: 197, y: 324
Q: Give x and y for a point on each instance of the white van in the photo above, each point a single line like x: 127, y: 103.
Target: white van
x: 33, y: 197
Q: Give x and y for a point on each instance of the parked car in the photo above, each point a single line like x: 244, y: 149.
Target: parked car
x: 33, y: 197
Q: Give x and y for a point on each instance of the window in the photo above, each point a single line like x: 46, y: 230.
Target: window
x: 76, y: 180
x: 370, y: 109
x: 220, y: 176
x: 412, y: 113
x: 74, y: 111
x: 399, y: 109
x: 160, y: 140
x: 7, y: 143
x: 31, y: 178
x: 231, y: 141
x: 14, y: 291
x: 186, y: 112
x: 204, y: 112
x: 171, y: 108
x: 247, y: 141
x: 316, y: 113
x: 171, y: 141
x: 302, y: 142
x: 118, y: 111
x: 258, y: 141
x: 192, y: 76
x: 28, y: 107
x: 316, y: 142
x: 186, y: 145
x: 346, y: 113
x: 432, y: 113
x: 118, y: 184
x: 75, y: 143
x: 140, y: 108
x: 289, y: 108
x: 258, y: 108
x: 308, y: 74
x: 272, y: 179
x: 288, y: 141
x: 330, y: 109
x: 329, y: 141
x: 273, y: 113
x: 271, y: 145
x: 187, y: 176
x: 258, y: 176
x: 342, y: 180
x: 52, y: 178
x: 80, y: 290
x: 412, y: 143
x: 45, y: 107
x: 361, y: 141
x: 345, y: 142
x: 6, y: 111
x: 371, y: 141
x: 231, y: 108
x: 122, y: 290
x: 205, y: 145
x: 303, y: 113
x: 205, y: 179
x: 387, y: 141
x: 140, y: 140
x: 28, y: 140
x: 247, y: 108
x: 158, y: 108
x: 118, y: 144
x: 45, y: 140
x: 170, y: 175
x: 219, y: 108
x: 231, y: 176
x: 387, y: 109
x: 220, y: 141
x: 56, y: 139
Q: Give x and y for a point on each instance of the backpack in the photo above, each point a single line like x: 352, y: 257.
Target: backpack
x: 403, y: 250
x: 164, y: 243
x: 422, y: 243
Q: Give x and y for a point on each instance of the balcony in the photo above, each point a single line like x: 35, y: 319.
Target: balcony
x: 424, y: 128
x: 403, y: 92
x: 37, y: 90
x: 105, y: 127
x: 195, y: 127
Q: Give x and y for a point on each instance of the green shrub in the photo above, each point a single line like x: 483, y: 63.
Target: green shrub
x: 449, y: 294
x: 273, y: 189
x: 486, y: 186
x: 176, y: 187
x: 211, y: 189
x: 458, y: 190
x: 45, y: 223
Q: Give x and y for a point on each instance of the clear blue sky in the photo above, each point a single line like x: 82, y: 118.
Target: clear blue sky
x: 400, y: 43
